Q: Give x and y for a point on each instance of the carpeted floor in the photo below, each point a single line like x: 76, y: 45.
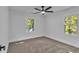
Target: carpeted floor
x: 41, y: 45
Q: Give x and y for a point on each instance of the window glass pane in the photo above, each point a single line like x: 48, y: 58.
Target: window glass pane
x: 30, y: 24
x: 71, y: 24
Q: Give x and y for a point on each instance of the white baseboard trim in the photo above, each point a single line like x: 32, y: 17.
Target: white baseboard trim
x: 66, y: 42
x: 25, y: 38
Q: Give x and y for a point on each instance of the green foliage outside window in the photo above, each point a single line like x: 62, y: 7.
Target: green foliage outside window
x: 30, y: 24
x: 71, y: 24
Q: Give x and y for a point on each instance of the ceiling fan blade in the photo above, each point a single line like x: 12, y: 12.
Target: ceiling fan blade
x: 37, y: 9
x: 36, y: 13
x: 48, y: 8
x: 49, y: 11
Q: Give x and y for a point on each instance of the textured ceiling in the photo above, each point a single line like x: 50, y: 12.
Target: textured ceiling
x: 30, y: 9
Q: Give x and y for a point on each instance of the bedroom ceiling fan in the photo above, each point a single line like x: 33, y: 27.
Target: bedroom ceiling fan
x: 43, y: 10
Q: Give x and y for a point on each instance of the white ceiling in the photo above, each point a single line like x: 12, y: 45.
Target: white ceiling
x: 30, y: 9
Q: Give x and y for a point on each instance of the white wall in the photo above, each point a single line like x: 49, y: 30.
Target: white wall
x: 4, y: 27
x: 55, y: 26
x: 17, y: 29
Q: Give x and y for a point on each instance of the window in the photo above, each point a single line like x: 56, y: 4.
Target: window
x: 71, y: 24
x: 30, y: 24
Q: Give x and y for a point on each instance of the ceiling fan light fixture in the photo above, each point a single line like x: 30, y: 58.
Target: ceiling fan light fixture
x: 43, y: 12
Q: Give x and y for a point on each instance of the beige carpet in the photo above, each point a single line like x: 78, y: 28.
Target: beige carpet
x: 40, y: 45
